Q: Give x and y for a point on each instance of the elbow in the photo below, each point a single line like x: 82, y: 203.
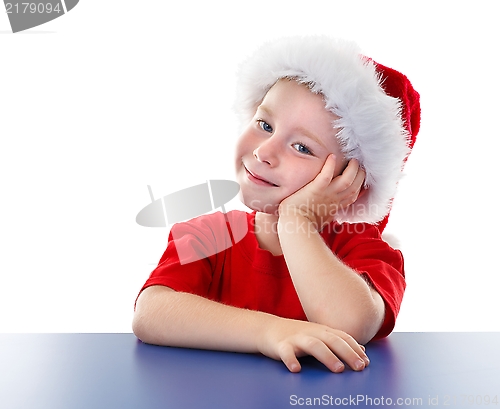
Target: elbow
x: 142, y: 328
x: 364, y: 328
x: 139, y: 328
x: 361, y: 324
x: 367, y: 323
x: 150, y: 315
x: 146, y: 329
x: 365, y: 319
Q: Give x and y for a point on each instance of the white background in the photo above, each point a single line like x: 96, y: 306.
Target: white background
x: 116, y: 95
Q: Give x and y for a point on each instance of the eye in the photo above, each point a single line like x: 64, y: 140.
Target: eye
x: 265, y: 126
x: 300, y: 147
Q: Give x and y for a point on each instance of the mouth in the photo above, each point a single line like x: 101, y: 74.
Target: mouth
x: 259, y: 180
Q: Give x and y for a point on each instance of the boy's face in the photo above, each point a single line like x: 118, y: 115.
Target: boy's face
x: 285, y: 146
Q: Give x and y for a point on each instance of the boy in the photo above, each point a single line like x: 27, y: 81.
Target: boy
x: 318, y: 163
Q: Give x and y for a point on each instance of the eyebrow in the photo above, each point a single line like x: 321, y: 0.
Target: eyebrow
x: 312, y: 136
x: 300, y: 129
x: 265, y: 109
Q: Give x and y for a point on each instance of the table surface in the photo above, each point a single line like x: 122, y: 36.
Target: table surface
x: 94, y: 371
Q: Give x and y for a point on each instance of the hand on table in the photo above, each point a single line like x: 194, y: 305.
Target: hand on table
x: 287, y: 339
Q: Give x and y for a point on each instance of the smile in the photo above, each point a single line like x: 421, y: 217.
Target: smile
x: 258, y: 180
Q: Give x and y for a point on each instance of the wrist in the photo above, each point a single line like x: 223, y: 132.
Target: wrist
x: 291, y: 215
x: 264, y: 340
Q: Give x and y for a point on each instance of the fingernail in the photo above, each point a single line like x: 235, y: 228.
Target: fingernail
x: 338, y: 367
x: 359, y: 364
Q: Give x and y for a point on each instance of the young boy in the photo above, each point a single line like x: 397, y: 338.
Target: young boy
x: 306, y: 273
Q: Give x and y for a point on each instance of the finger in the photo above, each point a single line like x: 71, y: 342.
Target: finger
x: 287, y: 355
x: 356, y: 351
x: 358, y: 348
x: 346, y: 179
x: 359, y: 180
x: 327, y: 172
x: 352, y: 192
x: 319, y: 350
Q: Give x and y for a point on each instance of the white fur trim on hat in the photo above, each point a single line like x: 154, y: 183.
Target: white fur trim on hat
x: 370, y: 128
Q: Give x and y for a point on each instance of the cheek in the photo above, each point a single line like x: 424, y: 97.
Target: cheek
x: 243, y: 144
x: 297, y: 180
x: 300, y: 174
x: 239, y: 151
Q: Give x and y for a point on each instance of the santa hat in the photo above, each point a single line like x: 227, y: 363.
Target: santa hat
x: 378, y: 109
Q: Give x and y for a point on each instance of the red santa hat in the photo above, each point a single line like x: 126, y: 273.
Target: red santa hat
x: 378, y: 109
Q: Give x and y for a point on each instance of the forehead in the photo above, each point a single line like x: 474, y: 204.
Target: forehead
x: 290, y: 94
x: 295, y: 102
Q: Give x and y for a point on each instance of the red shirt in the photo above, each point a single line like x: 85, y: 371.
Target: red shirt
x: 201, y: 259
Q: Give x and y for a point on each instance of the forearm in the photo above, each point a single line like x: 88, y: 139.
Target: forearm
x: 167, y: 317
x: 331, y: 293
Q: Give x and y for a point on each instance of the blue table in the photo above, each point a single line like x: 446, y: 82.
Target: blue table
x: 116, y: 371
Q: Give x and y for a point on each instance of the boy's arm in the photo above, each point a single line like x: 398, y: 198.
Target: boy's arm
x: 330, y: 292
x: 166, y: 317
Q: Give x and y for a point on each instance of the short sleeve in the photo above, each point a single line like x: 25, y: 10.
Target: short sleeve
x: 191, y: 255
x: 361, y: 247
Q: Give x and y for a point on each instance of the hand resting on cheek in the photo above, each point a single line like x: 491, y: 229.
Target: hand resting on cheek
x: 321, y: 198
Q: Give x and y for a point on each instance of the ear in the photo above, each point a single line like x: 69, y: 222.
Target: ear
x: 362, y: 191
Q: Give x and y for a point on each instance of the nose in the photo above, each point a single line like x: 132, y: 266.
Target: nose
x: 266, y: 152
